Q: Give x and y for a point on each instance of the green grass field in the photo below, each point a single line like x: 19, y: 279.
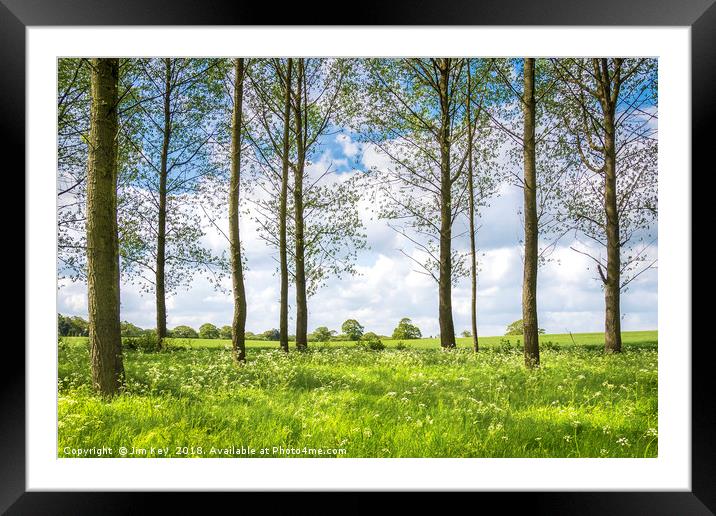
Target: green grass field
x: 191, y: 401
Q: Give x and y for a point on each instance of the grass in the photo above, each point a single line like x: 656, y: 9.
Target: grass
x: 349, y: 402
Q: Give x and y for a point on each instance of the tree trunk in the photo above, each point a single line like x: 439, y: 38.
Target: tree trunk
x: 471, y: 201
x: 238, y: 326
x: 608, y: 86
x: 102, y: 240
x: 160, y: 289
x: 447, y: 328
x: 301, y: 299
x: 529, y: 280
x: 612, y: 324
x: 283, y: 323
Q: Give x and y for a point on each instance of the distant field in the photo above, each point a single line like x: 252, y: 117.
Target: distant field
x: 349, y: 402
x: 634, y: 338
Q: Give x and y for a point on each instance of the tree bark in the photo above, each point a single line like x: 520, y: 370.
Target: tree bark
x: 301, y: 298
x: 447, y: 328
x: 102, y: 239
x: 471, y: 201
x: 529, y: 280
x: 608, y: 93
x: 612, y: 324
x: 160, y: 288
x: 238, y: 327
x: 283, y: 323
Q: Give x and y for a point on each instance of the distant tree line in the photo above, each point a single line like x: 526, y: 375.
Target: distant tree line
x: 75, y: 326
x: 72, y: 326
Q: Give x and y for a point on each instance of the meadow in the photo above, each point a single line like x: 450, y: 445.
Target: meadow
x: 337, y: 400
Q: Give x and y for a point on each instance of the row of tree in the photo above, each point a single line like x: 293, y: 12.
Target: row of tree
x: 161, y: 139
x: 75, y: 326
x: 583, y: 133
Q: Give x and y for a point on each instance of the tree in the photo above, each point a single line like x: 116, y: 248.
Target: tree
x: 225, y: 333
x: 372, y: 341
x: 466, y: 333
x: 323, y: 334
x: 63, y: 326
x: 471, y: 214
x: 272, y: 334
x: 517, y: 328
x: 406, y: 330
x: 283, y: 206
x: 170, y: 126
x: 482, y: 181
x: 184, y: 332
x: 102, y: 239
x: 299, y: 106
x: 237, y: 271
x: 208, y: 331
x: 320, y: 218
x: 414, y: 113
x: 610, y: 121
x: 80, y: 327
x: 370, y: 336
x: 529, y: 117
x: 318, y: 86
x: 130, y: 330
x: 72, y: 326
x: 272, y: 86
x: 352, y: 329
x: 73, y: 120
x: 529, y: 280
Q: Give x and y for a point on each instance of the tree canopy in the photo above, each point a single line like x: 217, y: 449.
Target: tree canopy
x: 406, y: 330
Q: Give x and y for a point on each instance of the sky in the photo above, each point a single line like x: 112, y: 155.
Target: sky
x: 387, y: 287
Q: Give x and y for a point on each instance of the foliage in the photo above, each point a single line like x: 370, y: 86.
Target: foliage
x: 322, y: 334
x: 208, y: 331
x: 130, y: 330
x: 72, y: 326
x: 582, y: 208
x: 272, y: 334
x: 184, y: 332
x: 225, y: 332
x: 334, y: 232
x: 73, y: 103
x: 517, y: 328
x: 146, y: 342
x: 192, y: 93
x: 552, y: 164
x: 352, y: 329
x: 406, y: 330
x: 399, y: 114
x: 372, y: 341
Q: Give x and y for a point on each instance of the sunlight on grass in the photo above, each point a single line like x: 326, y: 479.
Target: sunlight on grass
x: 416, y: 402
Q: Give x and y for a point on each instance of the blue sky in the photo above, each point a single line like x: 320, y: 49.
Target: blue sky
x: 388, y: 289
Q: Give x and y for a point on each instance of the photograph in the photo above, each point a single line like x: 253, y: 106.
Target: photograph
x: 413, y: 248
x: 357, y: 257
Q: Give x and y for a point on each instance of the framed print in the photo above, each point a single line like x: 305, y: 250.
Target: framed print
x: 270, y: 257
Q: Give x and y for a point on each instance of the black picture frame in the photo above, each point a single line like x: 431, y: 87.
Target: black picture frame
x: 700, y: 15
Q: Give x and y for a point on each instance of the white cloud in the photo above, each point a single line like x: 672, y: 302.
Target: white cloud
x: 349, y: 147
x: 72, y: 298
x: 373, y: 158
